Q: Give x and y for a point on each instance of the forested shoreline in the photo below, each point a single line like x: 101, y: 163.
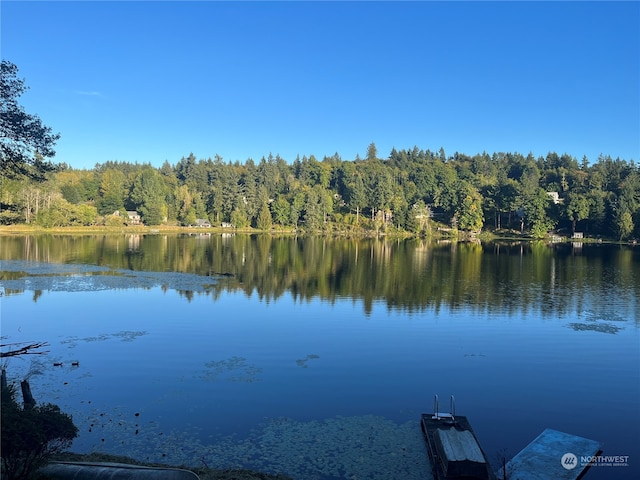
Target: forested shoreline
x: 410, y: 191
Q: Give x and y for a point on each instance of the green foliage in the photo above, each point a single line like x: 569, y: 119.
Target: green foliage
x: 469, y: 212
x: 281, y: 210
x: 624, y: 222
x: 356, y: 194
x: 70, y: 194
x: 149, y: 196
x: 190, y: 218
x: 111, y: 192
x: 186, y: 202
x: 577, y: 208
x: 419, y: 218
x: 541, y: 227
x: 312, y: 214
x: 25, y: 142
x: 114, y: 220
x: 31, y: 435
x: 10, y: 217
x: 508, y: 189
x: 61, y: 213
x: 372, y: 152
x: 264, y: 218
x: 502, y: 191
x: 239, y: 218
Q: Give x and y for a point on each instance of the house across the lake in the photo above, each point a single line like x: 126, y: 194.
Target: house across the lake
x: 134, y: 217
x: 555, y: 198
x: 203, y: 223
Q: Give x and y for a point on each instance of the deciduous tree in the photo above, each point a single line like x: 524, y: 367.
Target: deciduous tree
x: 469, y: 212
x: 577, y: 208
x: 149, y: 196
x: 264, y: 218
x: 624, y: 223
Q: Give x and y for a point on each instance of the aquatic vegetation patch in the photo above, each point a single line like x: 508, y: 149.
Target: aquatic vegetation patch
x: 233, y: 369
x: 125, y: 336
x: 593, y: 316
x: 302, y: 362
x: 128, y: 336
x: 364, y: 447
x: 22, y: 275
x: 27, y: 268
x: 599, y: 321
x: 595, y: 327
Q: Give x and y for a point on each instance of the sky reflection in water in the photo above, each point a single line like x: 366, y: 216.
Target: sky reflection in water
x: 318, y: 389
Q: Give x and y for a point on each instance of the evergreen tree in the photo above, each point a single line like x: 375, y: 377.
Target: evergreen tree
x: 281, y: 210
x: 372, y: 152
x: 25, y: 142
x: 357, y: 195
x: 111, y: 194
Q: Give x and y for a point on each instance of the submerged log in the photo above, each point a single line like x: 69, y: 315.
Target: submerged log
x: 24, y: 350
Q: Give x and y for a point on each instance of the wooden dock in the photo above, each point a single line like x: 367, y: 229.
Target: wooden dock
x: 453, y: 448
x: 552, y: 454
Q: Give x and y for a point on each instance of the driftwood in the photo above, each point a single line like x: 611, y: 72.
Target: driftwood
x: 27, y: 349
x: 29, y: 401
x: 23, y: 349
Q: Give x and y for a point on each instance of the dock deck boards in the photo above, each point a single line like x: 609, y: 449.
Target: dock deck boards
x: 542, y: 458
x: 430, y: 426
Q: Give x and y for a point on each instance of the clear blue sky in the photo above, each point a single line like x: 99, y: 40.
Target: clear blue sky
x: 154, y: 81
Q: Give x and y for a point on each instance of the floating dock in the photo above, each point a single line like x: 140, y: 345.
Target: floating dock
x: 455, y: 453
x: 452, y: 446
x: 454, y: 450
x: 552, y: 454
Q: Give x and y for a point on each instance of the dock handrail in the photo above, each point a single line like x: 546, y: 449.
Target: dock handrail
x: 452, y: 405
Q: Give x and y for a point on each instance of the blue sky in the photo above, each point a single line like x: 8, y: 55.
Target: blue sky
x: 153, y: 81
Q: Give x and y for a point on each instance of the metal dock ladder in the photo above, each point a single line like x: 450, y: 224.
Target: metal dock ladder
x: 452, y: 408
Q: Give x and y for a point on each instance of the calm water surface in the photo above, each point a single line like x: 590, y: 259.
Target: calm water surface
x: 315, y: 358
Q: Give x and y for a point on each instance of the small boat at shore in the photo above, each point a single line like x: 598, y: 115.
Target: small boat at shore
x: 453, y: 448
x: 112, y: 471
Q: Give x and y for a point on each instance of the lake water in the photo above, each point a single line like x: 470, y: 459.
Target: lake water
x: 315, y: 357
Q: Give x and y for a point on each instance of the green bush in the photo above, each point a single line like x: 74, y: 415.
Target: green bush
x: 31, y: 435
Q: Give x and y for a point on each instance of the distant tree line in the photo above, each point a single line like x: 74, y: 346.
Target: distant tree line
x: 407, y: 192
